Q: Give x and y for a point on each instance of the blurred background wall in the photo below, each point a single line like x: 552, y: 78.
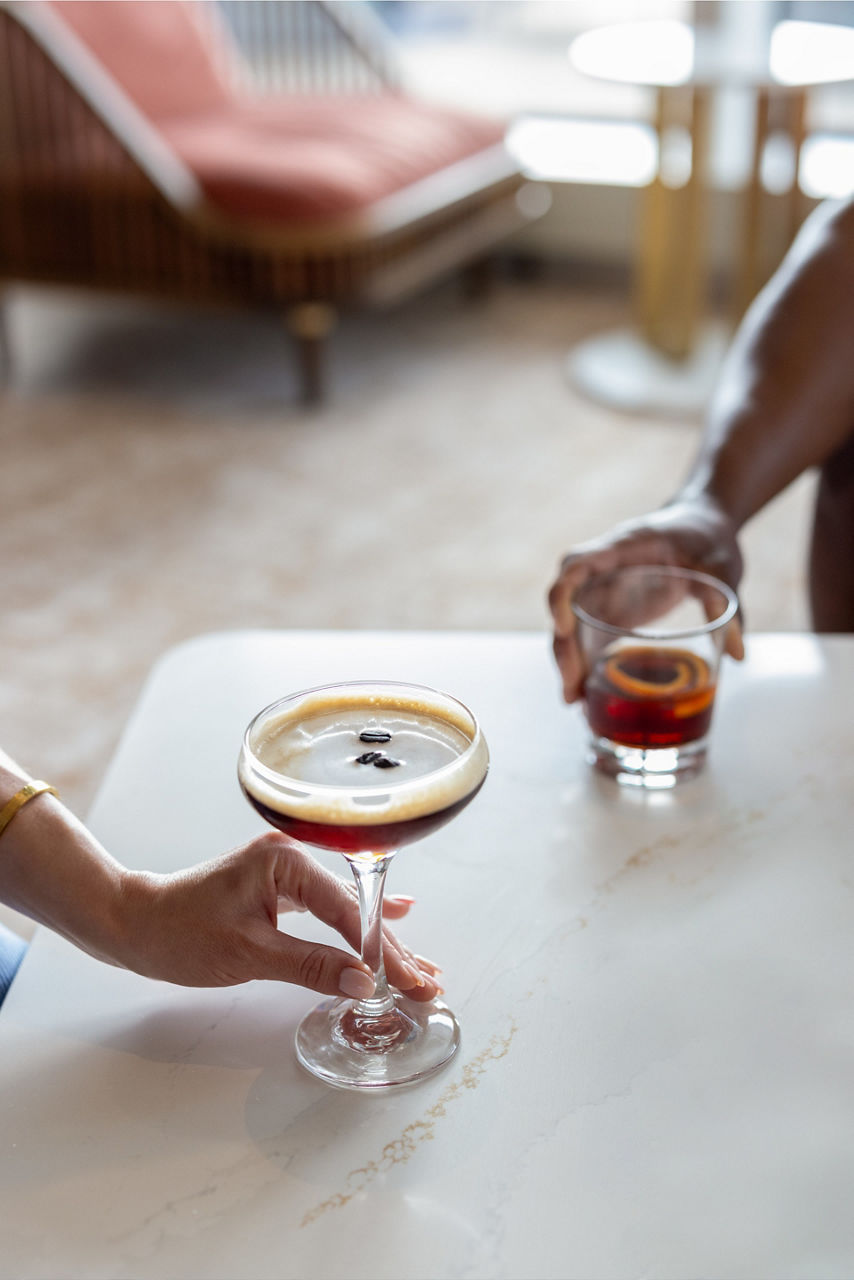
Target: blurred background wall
x: 590, y: 139
x: 168, y: 481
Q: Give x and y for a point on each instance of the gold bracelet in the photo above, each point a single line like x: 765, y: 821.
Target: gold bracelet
x: 20, y: 798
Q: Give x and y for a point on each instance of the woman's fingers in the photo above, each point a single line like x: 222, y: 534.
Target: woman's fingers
x: 396, y: 905
x: 420, y: 975
x: 302, y: 880
x: 318, y: 967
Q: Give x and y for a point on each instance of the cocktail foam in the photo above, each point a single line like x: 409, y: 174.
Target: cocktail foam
x: 350, y: 757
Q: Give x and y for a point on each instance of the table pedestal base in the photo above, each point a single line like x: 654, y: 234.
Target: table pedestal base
x: 621, y: 371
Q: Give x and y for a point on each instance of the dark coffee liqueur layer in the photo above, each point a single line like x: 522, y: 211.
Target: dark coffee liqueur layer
x: 379, y: 837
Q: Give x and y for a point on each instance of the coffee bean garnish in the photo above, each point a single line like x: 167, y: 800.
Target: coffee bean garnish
x: 375, y: 735
x: 378, y: 760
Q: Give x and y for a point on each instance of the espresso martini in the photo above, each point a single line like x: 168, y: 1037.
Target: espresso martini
x: 356, y: 773
x: 363, y: 768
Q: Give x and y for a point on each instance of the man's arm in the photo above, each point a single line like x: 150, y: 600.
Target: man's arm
x: 784, y: 403
x: 785, y: 397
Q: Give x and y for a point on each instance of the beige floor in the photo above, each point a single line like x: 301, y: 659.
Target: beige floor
x: 157, y: 481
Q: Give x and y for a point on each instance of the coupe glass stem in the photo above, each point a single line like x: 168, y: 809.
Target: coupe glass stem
x: 369, y: 874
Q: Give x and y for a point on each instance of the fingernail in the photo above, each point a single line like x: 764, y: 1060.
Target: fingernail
x: 416, y: 975
x: 400, y: 897
x: 427, y: 964
x: 355, y: 982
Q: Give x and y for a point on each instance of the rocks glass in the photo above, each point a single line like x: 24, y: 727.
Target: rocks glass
x: 651, y: 639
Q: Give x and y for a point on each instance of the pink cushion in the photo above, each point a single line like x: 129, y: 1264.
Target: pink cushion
x: 301, y: 158
x: 305, y: 159
x: 160, y: 53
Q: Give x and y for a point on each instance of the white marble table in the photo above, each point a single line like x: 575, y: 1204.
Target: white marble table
x: 656, y: 994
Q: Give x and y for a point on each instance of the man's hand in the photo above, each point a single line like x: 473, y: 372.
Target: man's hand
x: 693, y: 534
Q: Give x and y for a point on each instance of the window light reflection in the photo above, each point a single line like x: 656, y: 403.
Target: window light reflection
x: 626, y: 155
x: 618, y: 154
x: 827, y: 167
x: 811, y: 53
x: 655, y: 52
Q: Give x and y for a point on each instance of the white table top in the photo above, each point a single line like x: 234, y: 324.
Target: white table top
x: 656, y: 995
x: 664, y: 52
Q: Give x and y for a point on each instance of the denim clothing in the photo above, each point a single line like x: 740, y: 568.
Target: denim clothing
x: 12, y: 949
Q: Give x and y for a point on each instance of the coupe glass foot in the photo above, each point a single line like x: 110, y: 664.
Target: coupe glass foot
x: 400, y: 1048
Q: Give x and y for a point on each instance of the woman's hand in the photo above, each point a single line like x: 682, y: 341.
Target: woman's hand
x: 691, y: 533
x: 215, y: 925
x: 212, y: 925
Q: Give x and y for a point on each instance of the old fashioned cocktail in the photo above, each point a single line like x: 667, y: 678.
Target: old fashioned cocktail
x: 651, y: 637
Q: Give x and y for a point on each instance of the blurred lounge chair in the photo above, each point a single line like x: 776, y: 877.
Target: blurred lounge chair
x: 257, y: 154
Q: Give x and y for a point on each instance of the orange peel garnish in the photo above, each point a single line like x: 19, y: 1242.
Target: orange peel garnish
x: 690, y: 671
x: 693, y: 706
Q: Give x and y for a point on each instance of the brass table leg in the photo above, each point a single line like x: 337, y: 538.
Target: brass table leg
x: 783, y: 112
x: 670, y: 292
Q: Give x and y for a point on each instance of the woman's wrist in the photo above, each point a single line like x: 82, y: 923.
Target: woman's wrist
x: 54, y: 871
x: 132, y: 912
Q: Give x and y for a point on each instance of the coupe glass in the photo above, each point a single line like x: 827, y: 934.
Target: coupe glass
x: 363, y: 768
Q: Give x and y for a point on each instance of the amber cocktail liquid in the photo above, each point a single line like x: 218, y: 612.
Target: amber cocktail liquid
x: 649, y: 697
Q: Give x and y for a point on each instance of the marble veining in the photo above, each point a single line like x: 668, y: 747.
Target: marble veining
x: 400, y: 1150
x: 655, y: 996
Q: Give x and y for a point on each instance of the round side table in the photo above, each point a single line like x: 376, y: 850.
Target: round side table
x: 669, y: 362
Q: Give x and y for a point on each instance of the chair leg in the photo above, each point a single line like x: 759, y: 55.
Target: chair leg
x: 478, y: 278
x: 5, y: 342
x: 310, y: 324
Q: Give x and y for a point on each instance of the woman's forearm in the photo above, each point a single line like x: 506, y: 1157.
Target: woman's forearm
x: 212, y: 924
x: 54, y: 871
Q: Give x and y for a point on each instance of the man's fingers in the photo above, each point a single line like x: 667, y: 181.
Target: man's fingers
x: 734, y: 641
x: 630, y: 544
x: 588, y: 561
x: 571, y: 666
x: 571, y: 576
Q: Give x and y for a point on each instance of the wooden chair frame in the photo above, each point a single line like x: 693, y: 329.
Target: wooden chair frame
x: 91, y: 196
